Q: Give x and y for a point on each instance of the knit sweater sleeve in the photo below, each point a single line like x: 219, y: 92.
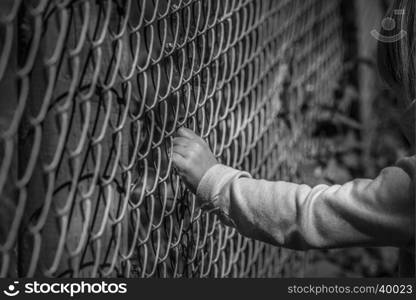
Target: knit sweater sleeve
x: 363, y: 212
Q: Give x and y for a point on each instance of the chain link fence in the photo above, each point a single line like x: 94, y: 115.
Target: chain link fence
x: 92, y: 93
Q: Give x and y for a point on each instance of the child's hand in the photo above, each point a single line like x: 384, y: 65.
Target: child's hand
x: 192, y: 157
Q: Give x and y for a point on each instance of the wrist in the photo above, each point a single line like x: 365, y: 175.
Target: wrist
x: 213, y: 180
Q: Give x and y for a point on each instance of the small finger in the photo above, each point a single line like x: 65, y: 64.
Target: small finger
x: 179, y: 161
x: 181, y: 150
x: 187, y: 133
x: 180, y: 141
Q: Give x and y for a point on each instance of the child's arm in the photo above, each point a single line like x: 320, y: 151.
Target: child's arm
x: 359, y: 213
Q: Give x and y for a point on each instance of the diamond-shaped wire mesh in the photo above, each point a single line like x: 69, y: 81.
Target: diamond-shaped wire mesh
x: 92, y: 93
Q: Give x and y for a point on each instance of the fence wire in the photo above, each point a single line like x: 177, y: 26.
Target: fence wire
x: 92, y: 93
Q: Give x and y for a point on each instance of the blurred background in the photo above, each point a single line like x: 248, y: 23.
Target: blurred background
x: 377, y: 141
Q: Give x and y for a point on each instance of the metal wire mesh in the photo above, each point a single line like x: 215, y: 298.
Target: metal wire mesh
x: 92, y: 93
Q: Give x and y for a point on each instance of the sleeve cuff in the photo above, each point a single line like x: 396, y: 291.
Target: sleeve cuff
x: 214, y: 180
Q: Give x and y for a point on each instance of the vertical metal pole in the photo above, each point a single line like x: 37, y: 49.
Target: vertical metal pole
x: 369, y: 16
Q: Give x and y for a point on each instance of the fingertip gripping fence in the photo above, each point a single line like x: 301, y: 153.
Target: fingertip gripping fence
x: 92, y: 93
